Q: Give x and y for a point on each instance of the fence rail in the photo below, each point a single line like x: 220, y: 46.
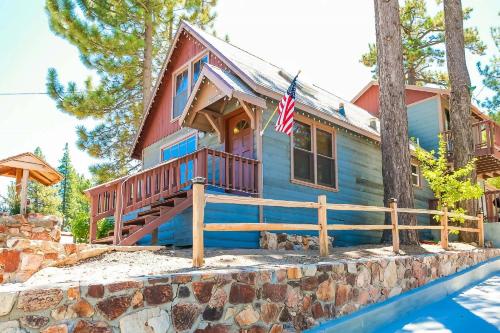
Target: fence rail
x: 200, y: 199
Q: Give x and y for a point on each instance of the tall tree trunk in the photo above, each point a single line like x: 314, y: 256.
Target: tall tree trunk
x: 396, y: 158
x: 460, y: 98
x: 411, y: 76
x: 148, y: 56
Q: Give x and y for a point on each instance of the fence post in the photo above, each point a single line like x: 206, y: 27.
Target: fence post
x: 198, y: 220
x: 393, y: 204
x: 323, y: 230
x: 444, y: 231
x: 480, y: 226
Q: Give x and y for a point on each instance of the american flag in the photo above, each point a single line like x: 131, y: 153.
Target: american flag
x: 286, y: 107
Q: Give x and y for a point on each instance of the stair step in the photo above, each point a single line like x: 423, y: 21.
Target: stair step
x: 125, y: 230
x: 149, y: 212
x: 137, y: 221
x: 105, y: 240
x: 180, y: 194
x: 168, y: 203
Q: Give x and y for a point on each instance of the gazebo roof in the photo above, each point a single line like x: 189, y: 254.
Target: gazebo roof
x: 39, y: 170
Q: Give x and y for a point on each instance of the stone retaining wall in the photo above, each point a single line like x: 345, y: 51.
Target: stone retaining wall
x: 31, y: 226
x: 272, y: 299
x: 21, y: 258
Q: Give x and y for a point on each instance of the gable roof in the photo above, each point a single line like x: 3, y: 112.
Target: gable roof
x: 39, y: 170
x: 227, y: 83
x: 434, y: 90
x: 272, y: 81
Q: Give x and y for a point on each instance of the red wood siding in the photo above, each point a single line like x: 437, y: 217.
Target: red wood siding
x: 369, y: 99
x: 158, y: 123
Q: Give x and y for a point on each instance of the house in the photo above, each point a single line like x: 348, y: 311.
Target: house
x: 429, y: 116
x: 204, y: 119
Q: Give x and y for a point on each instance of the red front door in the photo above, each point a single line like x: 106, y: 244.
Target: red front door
x: 240, y: 136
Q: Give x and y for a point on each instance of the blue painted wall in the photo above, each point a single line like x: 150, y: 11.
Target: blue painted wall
x: 359, y: 182
x: 423, y: 123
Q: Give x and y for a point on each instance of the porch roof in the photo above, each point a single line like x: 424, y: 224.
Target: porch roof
x: 205, y: 103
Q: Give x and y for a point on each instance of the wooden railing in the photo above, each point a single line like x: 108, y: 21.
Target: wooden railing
x: 200, y: 199
x: 490, y: 205
x: 220, y: 169
x: 486, y: 138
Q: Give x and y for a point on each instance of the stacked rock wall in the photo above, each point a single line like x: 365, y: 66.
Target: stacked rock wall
x: 273, y: 299
x: 27, y: 243
x: 284, y: 241
x: 31, y: 226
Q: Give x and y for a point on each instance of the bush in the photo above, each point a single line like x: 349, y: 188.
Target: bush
x: 450, y: 187
x: 79, y: 226
x: 103, y: 227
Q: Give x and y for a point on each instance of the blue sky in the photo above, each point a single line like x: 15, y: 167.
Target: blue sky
x: 324, y: 39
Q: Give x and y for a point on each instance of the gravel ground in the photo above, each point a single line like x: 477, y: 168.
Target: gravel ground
x: 118, y: 266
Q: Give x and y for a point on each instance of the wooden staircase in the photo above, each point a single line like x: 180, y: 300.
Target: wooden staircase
x: 148, y: 221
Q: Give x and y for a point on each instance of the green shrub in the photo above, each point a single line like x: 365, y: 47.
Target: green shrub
x: 103, y: 227
x: 449, y: 186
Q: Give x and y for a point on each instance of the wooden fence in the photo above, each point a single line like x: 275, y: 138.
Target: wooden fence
x: 200, y: 199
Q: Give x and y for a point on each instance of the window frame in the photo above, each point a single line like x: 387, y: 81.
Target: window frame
x: 179, y: 71
x: 189, y: 66
x: 314, y: 126
x: 194, y: 61
x: 418, y: 174
x: 177, y: 141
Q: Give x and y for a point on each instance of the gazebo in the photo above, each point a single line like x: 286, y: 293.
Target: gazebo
x: 28, y: 166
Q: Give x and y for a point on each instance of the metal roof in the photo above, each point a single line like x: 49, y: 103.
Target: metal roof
x: 276, y: 79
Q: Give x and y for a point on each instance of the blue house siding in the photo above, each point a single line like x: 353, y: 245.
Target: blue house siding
x: 359, y: 182
x: 178, y: 231
x: 423, y: 123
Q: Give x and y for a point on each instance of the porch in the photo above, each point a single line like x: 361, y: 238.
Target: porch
x: 161, y: 192
x: 486, y: 138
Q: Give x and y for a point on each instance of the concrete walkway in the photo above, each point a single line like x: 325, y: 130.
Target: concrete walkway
x: 475, y: 309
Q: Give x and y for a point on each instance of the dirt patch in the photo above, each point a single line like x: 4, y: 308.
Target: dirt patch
x: 118, y: 266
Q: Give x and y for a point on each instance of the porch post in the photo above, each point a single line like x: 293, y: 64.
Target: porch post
x: 260, y: 175
x: 198, y: 220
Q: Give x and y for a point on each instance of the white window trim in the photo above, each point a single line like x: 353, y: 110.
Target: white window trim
x: 178, y: 140
x: 418, y: 174
x: 315, y: 125
x: 193, y: 61
x: 189, y: 66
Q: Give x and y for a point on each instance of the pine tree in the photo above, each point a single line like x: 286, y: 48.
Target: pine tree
x: 396, y: 163
x: 43, y: 199
x: 423, y: 41
x: 125, y: 43
x: 460, y: 98
x: 491, y: 77
x: 80, y: 220
x: 12, y: 202
x: 67, y: 190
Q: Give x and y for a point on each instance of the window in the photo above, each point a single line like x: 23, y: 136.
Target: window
x: 313, y: 155
x: 181, y: 93
x: 197, y: 66
x: 415, y: 175
x: 180, y: 149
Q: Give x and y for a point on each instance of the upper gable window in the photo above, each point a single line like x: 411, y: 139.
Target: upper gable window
x: 181, y: 93
x: 197, y: 66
